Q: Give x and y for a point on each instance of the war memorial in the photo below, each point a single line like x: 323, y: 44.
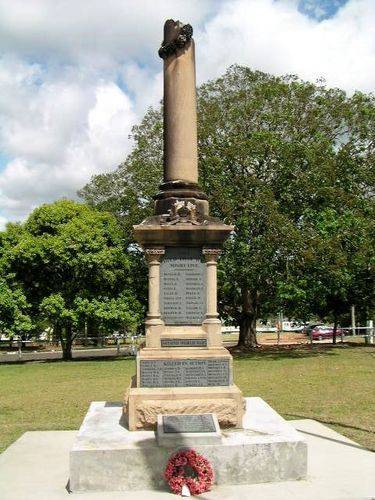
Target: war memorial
x: 183, y: 394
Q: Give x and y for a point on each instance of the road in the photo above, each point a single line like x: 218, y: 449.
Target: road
x: 106, y: 352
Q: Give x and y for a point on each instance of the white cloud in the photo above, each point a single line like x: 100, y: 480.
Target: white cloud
x: 275, y: 37
x: 3, y: 222
x: 92, y: 32
x: 75, y: 76
x: 64, y: 116
x: 144, y: 85
x: 60, y: 133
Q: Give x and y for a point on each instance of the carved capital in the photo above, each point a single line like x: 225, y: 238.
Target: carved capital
x: 182, y: 212
x: 154, y: 255
x: 211, y: 254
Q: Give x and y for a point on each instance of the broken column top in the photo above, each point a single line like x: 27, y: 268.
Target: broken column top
x: 180, y: 113
x: 176, y: 36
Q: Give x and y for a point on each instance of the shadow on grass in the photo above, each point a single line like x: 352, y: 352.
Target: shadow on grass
x: 339, y: 441
x: 274, y: 352
x: 74, y: 360
x: 328, y: 422
x: 285, y: 352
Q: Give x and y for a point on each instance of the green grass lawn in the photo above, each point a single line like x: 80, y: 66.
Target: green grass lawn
x: 333, y: 385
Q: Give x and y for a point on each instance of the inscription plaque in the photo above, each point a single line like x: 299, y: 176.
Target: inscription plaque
x: 184, y: 372
x: 183, y: 286
x: 183, y: 342
x: 188, y: 423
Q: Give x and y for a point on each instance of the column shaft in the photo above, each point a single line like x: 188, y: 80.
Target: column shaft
x: 211, y: 256
x: 153, y: 256
x: 180, y: 116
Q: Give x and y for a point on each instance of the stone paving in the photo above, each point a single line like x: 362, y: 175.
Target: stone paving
x: 36, y: 467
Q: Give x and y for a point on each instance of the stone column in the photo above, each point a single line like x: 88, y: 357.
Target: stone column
x: 153, y: 256
x: 180, y: 113
x: 211, y: 255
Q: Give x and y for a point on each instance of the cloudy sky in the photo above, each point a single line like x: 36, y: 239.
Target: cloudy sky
x: 75, y: 75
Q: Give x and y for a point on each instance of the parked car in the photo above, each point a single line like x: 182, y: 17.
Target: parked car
x: 308, y: 328
x: 321, y: 332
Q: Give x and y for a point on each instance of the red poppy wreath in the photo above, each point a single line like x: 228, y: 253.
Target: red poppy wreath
x: 188, y: 468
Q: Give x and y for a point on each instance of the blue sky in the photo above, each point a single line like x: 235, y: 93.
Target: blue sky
x: 76, y: 76
x: 320, y: 9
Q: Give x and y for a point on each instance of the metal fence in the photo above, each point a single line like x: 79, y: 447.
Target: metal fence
x: 41, y: 349
x: 367, y: 332
x: 121, y: 345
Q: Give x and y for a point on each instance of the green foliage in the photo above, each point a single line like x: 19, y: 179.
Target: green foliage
x: 339, y: 263
x: 14, y: 317
x: 71, y: 263
x: 289, y: 163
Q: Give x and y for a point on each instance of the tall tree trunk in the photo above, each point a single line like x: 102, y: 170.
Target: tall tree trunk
x: 66, y: 343
x: 248, y: 320
x: 334, y: 335
x: 56, y: 333
x: 93, y: 331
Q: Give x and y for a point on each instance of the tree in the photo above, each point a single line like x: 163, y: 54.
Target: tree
x: 339, y: 264
x: 71, y: 263
x: 14, y: 317
x: 271, y: 150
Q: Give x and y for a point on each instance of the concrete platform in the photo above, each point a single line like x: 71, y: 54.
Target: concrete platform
x: 106, y: 456
x: 36, y: 467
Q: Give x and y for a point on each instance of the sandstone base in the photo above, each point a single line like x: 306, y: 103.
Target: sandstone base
x: 106, y: 456
x: 143, y: 405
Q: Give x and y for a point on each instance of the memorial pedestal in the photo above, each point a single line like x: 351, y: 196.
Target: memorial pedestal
x: 184, y: 348
x: 192, y: 380
x: 106, y: 456
x: 184, y: 369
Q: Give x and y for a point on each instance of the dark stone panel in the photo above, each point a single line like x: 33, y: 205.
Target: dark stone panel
x: 183, y: 286
x: 184, y: 372
x: 183, y: 342
x: 188, y: 423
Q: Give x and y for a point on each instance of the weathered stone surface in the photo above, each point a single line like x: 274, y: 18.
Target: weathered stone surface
x: 107, y: 456
x: 151, y: 232
x: 180, y: 110
x: 225, y: 409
